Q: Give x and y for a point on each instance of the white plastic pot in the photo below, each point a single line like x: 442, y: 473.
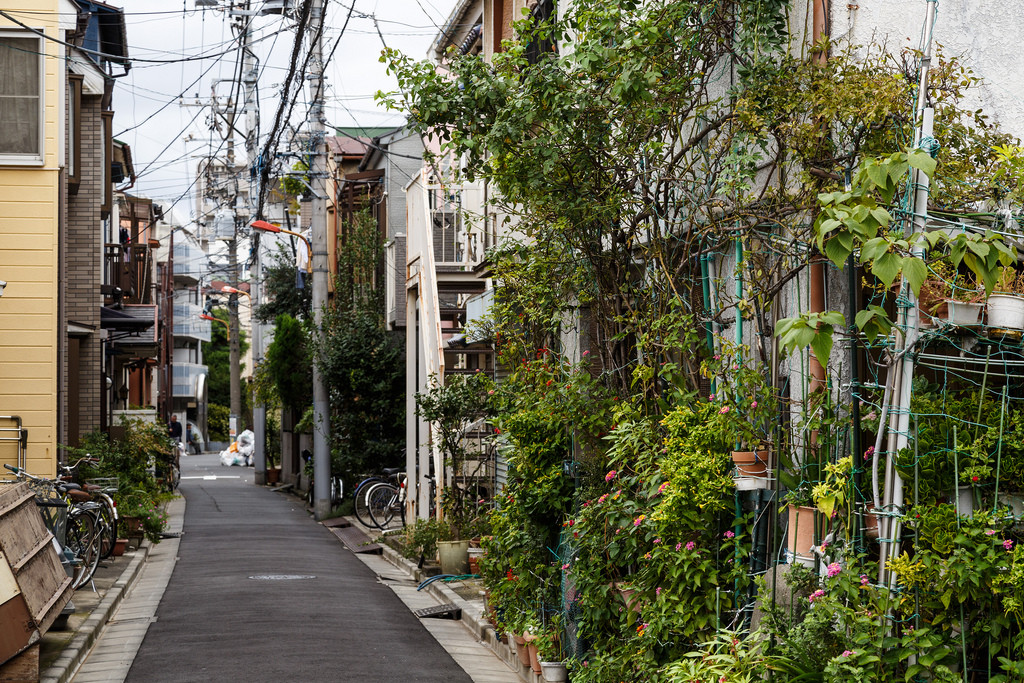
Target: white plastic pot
x: 553, y: 672
x: 454, y: 556
x: 963, y: 313
x: 1006, y: 312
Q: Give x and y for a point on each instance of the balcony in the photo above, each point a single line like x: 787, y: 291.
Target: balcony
x: 188, y: 324
x: 130, y: 268
x: 185, y: 383
x: 189, y: 263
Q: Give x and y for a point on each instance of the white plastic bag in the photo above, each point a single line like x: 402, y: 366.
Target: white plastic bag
x: 246, y: 446
x: 230, y: 458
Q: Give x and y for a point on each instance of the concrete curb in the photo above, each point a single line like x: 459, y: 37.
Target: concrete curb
x: 66, y: 665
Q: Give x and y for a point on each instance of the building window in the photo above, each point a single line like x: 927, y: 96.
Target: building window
x: 21, y: 101
x: 74, y: 129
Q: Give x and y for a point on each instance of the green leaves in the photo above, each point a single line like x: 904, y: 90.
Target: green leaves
x: 810, y: 329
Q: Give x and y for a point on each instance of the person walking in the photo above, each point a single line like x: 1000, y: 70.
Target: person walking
x: 174, y: 430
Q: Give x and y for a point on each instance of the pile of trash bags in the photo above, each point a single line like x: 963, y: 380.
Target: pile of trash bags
x: 240, y: 452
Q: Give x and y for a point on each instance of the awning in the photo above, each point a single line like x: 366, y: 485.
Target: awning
x: 127, y: 319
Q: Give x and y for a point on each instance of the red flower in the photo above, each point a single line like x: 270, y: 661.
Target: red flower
x: 975, y: 478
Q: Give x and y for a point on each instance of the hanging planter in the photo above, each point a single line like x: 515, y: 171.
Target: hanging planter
x: 1006, y: 312
x: 752, y: 463
x: 963, y: 313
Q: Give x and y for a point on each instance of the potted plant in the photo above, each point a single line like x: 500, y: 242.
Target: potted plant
x: 1006, y: 306
x: 966, y: 299
x: 549, y: 650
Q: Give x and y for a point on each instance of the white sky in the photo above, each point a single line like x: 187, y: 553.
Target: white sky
x: 148, y: 114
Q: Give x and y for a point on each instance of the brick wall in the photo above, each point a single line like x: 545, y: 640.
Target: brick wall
x: 84, y: 250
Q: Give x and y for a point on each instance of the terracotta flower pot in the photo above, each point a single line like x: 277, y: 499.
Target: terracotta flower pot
x: 534, y: 658
x: 752, y: 463
x: 119, y: 547
x: 273, y: 475
x: 521, y: 650
x: 801, y: 534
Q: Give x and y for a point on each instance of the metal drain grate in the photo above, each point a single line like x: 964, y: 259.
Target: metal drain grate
x: 281, y: 577
x: 446, y: 611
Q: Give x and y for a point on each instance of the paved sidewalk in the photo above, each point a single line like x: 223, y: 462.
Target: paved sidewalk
x: 122, y: 635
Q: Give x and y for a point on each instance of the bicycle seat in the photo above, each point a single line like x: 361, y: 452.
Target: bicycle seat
x: 71, y: 486
x: 391, y: 471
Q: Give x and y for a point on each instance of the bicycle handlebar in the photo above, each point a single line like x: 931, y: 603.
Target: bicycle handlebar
x: 12, y: 468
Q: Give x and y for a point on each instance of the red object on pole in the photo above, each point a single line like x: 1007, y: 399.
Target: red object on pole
x: 265, y: 226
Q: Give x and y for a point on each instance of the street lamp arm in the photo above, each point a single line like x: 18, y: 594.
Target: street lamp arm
x: 222, y: 322
x: 266, y: 226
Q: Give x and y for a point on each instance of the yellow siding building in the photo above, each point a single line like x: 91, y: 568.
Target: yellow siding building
x: 32, y: 144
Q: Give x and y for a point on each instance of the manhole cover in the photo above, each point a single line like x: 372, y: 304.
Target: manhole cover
x: 282, y: 577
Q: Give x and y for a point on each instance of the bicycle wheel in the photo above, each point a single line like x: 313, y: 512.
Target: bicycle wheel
x: 361, y: 509
x: 83, y: 538
x: 380, y: 500
x: 337, y: 489
x: 108, y: 530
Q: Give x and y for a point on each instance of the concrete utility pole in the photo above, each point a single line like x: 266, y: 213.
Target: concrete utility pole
x: 318, y: 178
x: 249, y: 112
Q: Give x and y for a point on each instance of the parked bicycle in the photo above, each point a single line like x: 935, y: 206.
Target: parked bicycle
x: 99, y: 492
x: 82, y: 531
x: 337, y: 487
x: 385, y: 500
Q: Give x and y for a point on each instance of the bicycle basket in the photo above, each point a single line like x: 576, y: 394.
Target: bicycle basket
x: 106, y: 484
x: 55, y: 515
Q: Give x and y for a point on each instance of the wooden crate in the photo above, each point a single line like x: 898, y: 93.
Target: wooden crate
x: 33, y: 584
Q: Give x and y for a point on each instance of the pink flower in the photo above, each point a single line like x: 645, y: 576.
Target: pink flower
x: 816, y: 594
x: 847, y: 653
x: 754, y: 404
x: 661, y: 489
x: 565, y: 566
x: 603, y: 498
x: 718, y: 356
x: 871, y: 415
x: 1008, y: 544
x: 639, y: 520
x: 990, y: 532
x: 586, y: 353
x: 863, y: 579
x: 610, y: 475
x: 824, y: 544
x: 657, y: 541
x: 690, y: 545
x: 724, y: 410
x: 679, y: 546
x: 657, y: 591
x: 711, y: 397
x: 729, y: 534
x: 834, y: 569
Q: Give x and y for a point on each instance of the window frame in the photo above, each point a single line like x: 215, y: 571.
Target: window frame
x: 74, y: 160
x: 39, y: 158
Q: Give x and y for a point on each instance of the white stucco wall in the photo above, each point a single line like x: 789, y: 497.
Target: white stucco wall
x: 986, y: 33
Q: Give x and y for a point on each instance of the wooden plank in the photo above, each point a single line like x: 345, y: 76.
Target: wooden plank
x: 17, y: 628
x: 23, y: 668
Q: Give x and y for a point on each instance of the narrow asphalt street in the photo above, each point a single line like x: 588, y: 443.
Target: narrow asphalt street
x: 260, y: 592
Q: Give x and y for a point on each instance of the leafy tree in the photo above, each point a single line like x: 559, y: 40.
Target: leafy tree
x: 217, y: 355
x: 364, y: 368
x: 362, y: 362
x: 279, y: 290
x: 287, y: 364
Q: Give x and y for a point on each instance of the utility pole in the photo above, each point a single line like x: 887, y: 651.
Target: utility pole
x: 249, y: 112
x: 318, y: 177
